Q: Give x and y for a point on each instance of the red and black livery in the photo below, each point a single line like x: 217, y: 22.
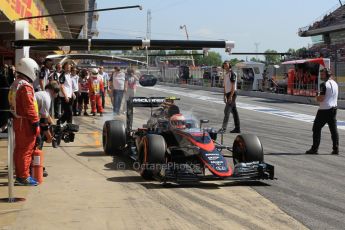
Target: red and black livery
x: 187, y: 154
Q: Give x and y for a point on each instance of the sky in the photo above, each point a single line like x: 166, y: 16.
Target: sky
x: 273, y: 24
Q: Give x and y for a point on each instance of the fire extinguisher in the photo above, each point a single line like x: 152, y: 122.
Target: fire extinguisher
x: 37, y: 166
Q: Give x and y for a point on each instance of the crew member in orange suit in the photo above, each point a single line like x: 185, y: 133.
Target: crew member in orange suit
x: 26, y: 119
x: 95, y: 89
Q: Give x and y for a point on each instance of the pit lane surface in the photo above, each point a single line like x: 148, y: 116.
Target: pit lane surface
x: 309, y: 187
x: 88, y: 190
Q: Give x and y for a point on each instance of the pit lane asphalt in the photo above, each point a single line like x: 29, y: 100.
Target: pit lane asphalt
x: 87, y: 190
x: 309, y: 187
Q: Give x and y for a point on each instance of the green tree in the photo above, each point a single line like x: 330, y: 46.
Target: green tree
x: 301, y: 52
x: 234, y: 61
x: 162, y: 52
x: 101, y: 52
x: 272, y: 58
x: 292, y: 52
x: 197, y: 57
x: 212, y: 59
x: 181, y: 52
x: 254, y: 59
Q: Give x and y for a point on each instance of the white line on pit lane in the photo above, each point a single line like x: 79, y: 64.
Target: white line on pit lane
x: 261, y: 109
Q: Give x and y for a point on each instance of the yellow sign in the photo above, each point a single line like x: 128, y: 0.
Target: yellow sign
x: 15, y: 9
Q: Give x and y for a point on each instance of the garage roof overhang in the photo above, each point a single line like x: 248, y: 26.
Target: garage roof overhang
x: 121, y: 44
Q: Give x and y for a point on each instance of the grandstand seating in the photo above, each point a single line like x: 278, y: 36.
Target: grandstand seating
x: 329, y: 26
x: 334, y: 17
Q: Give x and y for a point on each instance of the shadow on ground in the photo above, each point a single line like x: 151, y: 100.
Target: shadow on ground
x: 3, y: 174
x: 126, y: 179
x: 3, y: 184
x: 272, y: 101
x: 121, y: 162
x: 294, y: 154
x: 92, y: 154
x: 204, y: 185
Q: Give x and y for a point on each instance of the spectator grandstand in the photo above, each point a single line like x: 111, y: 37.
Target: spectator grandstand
x: 328, y: 35
x: 333, y: 17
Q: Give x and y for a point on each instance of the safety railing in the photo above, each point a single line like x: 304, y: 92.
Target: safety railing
x: 10, y: 163
x: 10, y: 149
x: 196, y: 82
x: 6, y: 123
x: 341, y: 86
x: 298, y: 88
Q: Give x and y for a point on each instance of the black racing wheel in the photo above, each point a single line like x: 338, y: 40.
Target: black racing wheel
x: 151, y: 154
x: 114, y: 137
x: 247, y: 148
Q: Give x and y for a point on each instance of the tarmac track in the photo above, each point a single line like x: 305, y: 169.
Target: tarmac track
x: 310, y: 188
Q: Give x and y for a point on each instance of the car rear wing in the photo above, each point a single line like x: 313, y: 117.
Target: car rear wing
x: 146, y: 102
x: 150, y: 101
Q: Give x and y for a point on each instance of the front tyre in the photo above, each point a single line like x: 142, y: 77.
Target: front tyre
x: 247, y: 148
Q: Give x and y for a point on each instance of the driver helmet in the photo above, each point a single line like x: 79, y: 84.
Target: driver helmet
x: 178, y: 121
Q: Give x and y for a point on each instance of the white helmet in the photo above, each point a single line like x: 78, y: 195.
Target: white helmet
x: 94, y: 71
x: 28, y: 67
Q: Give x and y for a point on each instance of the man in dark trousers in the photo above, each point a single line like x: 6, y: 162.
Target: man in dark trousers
x: 327, y: 113
x: 230, y: 95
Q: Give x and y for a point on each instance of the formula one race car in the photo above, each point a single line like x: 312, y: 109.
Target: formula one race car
x: 172, y: 148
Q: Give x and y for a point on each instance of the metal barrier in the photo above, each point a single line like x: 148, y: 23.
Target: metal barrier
x: 10, y: 150
x: 10, y: 164
x: 341, y: 86
x: 52, y: 108
x: 279, y: 86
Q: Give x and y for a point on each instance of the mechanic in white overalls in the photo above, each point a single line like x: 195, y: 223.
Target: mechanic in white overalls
x: 327, y: 113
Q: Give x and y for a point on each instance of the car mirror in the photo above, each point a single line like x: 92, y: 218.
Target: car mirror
x: 147, y: 80
x: 203, y: 121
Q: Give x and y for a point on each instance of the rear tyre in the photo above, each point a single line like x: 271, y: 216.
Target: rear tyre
x: 151, y: 153
x: 247, y: 148
x: 114, y: 137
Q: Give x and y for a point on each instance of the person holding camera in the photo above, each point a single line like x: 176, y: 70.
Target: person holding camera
x: 230, y: 95
x: 327, y: 113
x: 44, y: 100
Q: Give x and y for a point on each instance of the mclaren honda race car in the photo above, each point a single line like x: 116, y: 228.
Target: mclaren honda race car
x: 171, y: 148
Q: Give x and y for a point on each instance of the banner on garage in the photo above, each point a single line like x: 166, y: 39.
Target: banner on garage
x: 38, y: 28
